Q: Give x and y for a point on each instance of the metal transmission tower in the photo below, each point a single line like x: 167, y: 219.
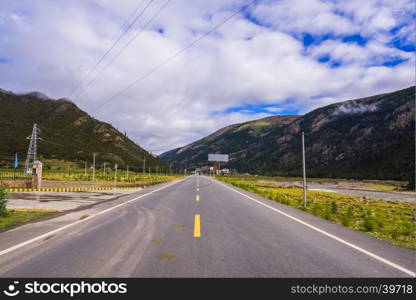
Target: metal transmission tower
x: 32, y: 151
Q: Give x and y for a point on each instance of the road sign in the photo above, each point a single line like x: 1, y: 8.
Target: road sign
x: 218, y: 157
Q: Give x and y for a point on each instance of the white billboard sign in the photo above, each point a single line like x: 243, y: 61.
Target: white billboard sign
x: 218, y: 157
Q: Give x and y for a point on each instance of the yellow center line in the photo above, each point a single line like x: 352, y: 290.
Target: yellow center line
x: 197, y: 227
x: 197, y: 198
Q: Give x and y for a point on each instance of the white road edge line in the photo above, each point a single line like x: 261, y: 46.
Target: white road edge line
x: 15, y: 247
x: 375, y: 256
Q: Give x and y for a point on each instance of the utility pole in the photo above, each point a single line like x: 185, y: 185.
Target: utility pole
x: 127, y: 172
x: 149, y: 171
x: 115, y: 174
x: 144, y: 164
x: 304, y: 169
x: 104, y: 168
x: 93, y: 167
x: 85, y: 169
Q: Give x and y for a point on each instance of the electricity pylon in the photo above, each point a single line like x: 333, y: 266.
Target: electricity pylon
x: 32, y: 151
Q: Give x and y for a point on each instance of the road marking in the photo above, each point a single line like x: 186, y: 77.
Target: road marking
x: 40, y: 237
x: 197, y: 198
x: 197, y: 226
x: 375, y: 256
x: 197, y: 189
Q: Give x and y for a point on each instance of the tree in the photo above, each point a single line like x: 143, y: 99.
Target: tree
x: 3, y: 202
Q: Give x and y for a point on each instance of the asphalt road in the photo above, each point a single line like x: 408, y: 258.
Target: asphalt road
x: 196, y: 227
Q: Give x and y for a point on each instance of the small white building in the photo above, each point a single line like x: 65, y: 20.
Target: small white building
x: 225, y: 171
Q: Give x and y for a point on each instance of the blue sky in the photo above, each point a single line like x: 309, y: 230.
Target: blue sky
x: 276, y: 57
x: 263, y: 108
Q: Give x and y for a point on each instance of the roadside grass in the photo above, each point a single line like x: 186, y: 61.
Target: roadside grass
x: 10, y: 217
x: 376, y: 185
x: 17, y: 216
x: 77, y: 174
x: 121, y: 178
x: 384, y: 187
x: 392, y: 221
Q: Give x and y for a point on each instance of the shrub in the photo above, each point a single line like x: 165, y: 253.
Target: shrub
x: 3, y: 202
x: 411, y: 184
x: 368, y: 222
x: 327, y: 214
x: 346, y: 218
x: 334, y: 207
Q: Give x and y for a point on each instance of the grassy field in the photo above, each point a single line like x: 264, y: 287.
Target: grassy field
x: 10, y: 217
x: 67, y: 174
x: 122, y: 177
x: 16, y: 216
x: 376, y: 185
x: 72, y: 173
x: 392, y: 221
x: 384, y: 187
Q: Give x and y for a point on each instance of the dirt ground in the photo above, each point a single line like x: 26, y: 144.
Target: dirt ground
x: 61, y: 201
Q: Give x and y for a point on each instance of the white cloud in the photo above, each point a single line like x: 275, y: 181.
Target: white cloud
x: 354, y: 108
x: 52, y: 44
x: 299, y: 16
x: 372, y: 53
x: 273, y: 109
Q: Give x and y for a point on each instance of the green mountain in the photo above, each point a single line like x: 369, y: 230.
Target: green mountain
x: 68, y: 133
x: 368, y: 138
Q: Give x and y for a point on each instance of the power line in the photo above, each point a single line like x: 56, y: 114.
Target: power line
x: 126, y: 22
x: 175, y: 55
x: 112, y: 46
x: 124, y: 47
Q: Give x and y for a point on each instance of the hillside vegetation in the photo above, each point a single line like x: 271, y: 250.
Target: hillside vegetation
x: 68, y: 133
x: 368, y: 138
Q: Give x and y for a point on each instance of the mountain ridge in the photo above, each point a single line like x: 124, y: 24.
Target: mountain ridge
x: 365, y: 138
x: 68, y: 132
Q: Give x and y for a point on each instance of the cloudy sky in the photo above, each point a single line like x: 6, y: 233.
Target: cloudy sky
x: 272, y: 57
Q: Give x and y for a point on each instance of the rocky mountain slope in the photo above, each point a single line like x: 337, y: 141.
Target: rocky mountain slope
x: 371, y: 138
